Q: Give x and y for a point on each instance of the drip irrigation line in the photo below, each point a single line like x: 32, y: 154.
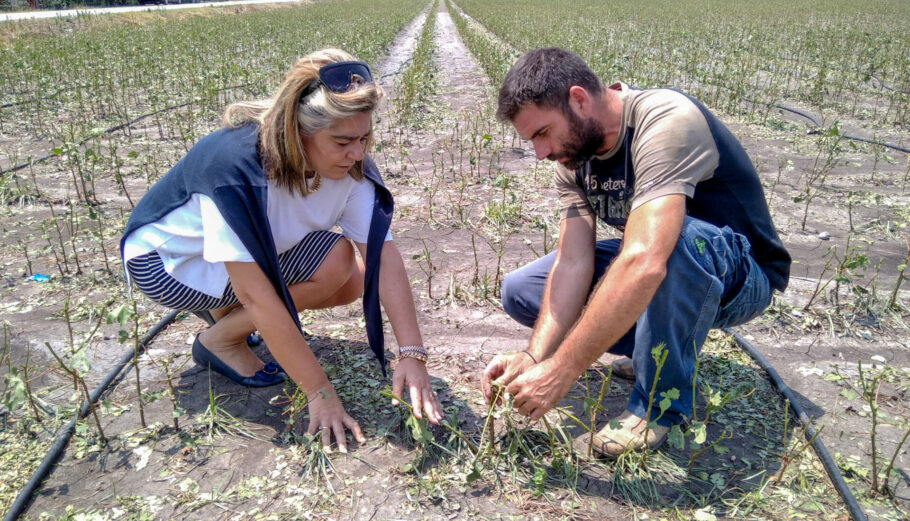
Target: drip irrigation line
x: 811, y: 434
x: 57, y: 449
x: 883, y: 85
x: 817, y: 123
x: 114, y: 129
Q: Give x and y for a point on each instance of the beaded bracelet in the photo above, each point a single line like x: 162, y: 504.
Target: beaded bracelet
x: 415, y: 351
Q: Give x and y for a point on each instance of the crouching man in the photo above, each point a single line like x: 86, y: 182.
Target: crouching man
x: 698, y: 248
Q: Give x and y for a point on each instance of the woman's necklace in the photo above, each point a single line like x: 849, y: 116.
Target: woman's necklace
x: 317, y: 182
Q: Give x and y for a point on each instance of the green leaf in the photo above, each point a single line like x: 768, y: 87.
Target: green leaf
x: 834, y: 377
x: 590, y: 405
x: 15, y: 394
x: 540, y: 479
x: 716, y: 399
x: 700, y: 431
x: 419, y: 430
x: 676, y: 438
x: 474, y: 475
x: 657, y: 351
x: 80, y: 363
x: 848, y: 394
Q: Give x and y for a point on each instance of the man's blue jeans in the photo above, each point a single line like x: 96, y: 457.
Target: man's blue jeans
x: 712, y: 281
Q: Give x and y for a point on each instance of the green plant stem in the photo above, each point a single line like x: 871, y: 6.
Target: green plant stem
x: 604, y: 385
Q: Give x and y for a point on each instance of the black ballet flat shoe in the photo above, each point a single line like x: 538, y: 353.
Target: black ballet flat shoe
x: 271, y: 374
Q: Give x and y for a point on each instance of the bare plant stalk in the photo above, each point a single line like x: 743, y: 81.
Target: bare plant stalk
x: 136, y: 348
x: 28, y: 260
x: 99, y: 218
x: 900, y: 275
x: 819, y: 287
x: 476, y: 278
x: 74, y: 230
x: 172, y: 391
x: 5, y: 354
x: 59, y: 236
x: 885, y: 487
x: 69, y: 331
x: 792, y: 455
x: 25, y: 379
x: 871, y: 398
x: 85, y: 393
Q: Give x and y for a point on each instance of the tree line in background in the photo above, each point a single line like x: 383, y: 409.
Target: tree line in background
x: 26, y: 5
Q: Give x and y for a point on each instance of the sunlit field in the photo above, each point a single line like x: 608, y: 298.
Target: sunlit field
x: 94, y: 109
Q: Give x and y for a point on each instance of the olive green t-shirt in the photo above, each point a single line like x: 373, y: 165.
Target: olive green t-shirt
x: 671, y: 151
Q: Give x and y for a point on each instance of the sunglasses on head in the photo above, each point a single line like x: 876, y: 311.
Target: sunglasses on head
x: 340, y: 76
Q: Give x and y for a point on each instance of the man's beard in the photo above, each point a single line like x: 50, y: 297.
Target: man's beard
x: 586, y: 137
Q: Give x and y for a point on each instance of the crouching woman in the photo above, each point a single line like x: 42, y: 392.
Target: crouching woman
x: 241, y: 227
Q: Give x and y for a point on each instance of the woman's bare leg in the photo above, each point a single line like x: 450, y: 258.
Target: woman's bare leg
x: 338, y: 281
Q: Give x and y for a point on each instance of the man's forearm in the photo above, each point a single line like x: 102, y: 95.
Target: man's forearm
x: 563, y: 301
x: 630, y: 283
x: 621, y: 297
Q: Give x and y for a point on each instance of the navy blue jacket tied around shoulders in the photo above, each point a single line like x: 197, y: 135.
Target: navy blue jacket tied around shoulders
x: 226, y: 167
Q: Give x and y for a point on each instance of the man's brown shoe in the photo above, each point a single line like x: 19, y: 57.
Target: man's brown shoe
x: 622, y: 367
x: 632, y: 434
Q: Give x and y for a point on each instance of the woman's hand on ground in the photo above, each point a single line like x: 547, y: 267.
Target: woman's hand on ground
x: 413, y: 374
x: 328, y: 416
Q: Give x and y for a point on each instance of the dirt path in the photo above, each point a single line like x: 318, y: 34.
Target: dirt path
x: 400, y: 53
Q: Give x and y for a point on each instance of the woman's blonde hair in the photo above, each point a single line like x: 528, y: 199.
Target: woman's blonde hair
x: 280, y: 117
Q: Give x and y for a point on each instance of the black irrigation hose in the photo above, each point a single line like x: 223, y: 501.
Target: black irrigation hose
x: 830, y: 466
x: 817, y: 123
x: 56, y: 450
x: 113, y: 129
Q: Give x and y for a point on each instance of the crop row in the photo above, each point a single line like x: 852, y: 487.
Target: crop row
x: 838, y: 58
x: 98, y: 77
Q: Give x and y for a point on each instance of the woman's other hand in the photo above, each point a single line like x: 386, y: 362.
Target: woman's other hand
x: 413, y: 374
x: 327, y: 416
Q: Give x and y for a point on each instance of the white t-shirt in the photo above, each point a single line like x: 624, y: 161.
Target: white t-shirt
x: 194, y: 241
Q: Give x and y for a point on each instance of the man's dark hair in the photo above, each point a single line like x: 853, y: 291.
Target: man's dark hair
x: 544, y: 77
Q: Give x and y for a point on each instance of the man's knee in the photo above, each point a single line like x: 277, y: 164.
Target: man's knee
x: 515, y: 300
